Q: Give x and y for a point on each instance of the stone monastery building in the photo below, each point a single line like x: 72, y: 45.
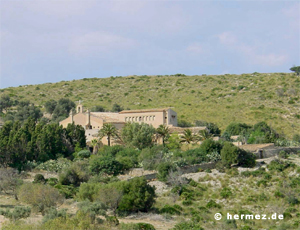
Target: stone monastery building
x: 93, y: 121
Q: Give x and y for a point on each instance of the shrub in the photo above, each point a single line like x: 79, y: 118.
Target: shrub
x: 55, y: 165
x: 151, y: 157
x: 279, y: 165
x: 138, y: 226
x: 163, y: 170
x: 53, y: 213
x: 52, y: 181
x: 92, y: 209
x: 39, y: 178
x: 40, y: 197
x: 10, y: 181
x: 212, y: 204
x: 287, y: 215
x: 87, y: 191
x: 187, y: 225
x: 137, y: 195
x: 292, y: 199
x: 210, y: 146
x: 19, y: 212
x: 74, y: 174
x: 226, y: 192
x: 84, y: 154
x: 264, y: 183
x: 278, y: 194
x: 187, y: 202
x: 283, y: 154
x: 105, y: 164
x: 173, y: 210
x: 68, y: 191
x: 231, y: 154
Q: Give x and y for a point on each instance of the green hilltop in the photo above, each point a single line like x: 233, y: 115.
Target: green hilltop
x: 248, y: 98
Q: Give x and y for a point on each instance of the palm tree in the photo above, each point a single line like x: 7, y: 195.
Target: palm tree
x: 188, y: 136
x: 108, y: 130
x: 163, y: 132
x: 204, y: 135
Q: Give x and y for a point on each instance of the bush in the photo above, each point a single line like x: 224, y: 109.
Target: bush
x: 163, y: 170
x: 283, y: 154
x: 151, y: 157
x: 39, y: 178
x: 210, y: 146
x: 173, y: 210
x: 40, y: 197
x: 92, y: 209
x: 187, y: 202
x: 279, y: 165
x: 212, y: 204
x: 19, y: 212
x: 74, y: 174
x: 226, y: 192
x: 52, y: 181
x: 87, y: 191
x: 68, y: 191
x: 55, y: 165
x: 231, y: 154
x: 187, y: 225
x: 53, y: 213
x: 257, y: 173
x: 137, y: 195
x: 138, y: 226
x: 84, y: 154
x: 105, y: 164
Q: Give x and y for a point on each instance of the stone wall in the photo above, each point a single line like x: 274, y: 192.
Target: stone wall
x: 151, y: 174
x: 270, y: 152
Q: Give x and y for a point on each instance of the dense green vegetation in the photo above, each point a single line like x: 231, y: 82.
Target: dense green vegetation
x: 221, y: 99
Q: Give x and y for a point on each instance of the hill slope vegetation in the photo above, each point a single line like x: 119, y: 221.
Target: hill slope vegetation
x: 221, y: 99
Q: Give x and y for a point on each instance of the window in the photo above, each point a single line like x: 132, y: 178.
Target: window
x: 153, y: 118
x: 140, y: 118
x: 125, y: 119
x: 150, y: 118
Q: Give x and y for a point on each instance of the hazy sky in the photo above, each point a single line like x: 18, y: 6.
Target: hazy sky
x: 54, y: 40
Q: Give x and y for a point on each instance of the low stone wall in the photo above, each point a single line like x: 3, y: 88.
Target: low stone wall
x: 274, y: 151
x: 151, y: 175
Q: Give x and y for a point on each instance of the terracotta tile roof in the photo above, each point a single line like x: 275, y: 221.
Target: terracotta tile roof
x: 144, y: 110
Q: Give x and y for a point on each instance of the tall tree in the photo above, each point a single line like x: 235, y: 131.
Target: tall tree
x: 138, y: 135
x: 5, y: 103
x: 163, y: 132
x: 50, y: 106
x: 108, y: 130
x: 296, y: 69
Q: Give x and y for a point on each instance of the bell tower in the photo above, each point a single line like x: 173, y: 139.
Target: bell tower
x: 79, y: 108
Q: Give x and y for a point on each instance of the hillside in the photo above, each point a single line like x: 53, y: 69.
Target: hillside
x: 249, y: 98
